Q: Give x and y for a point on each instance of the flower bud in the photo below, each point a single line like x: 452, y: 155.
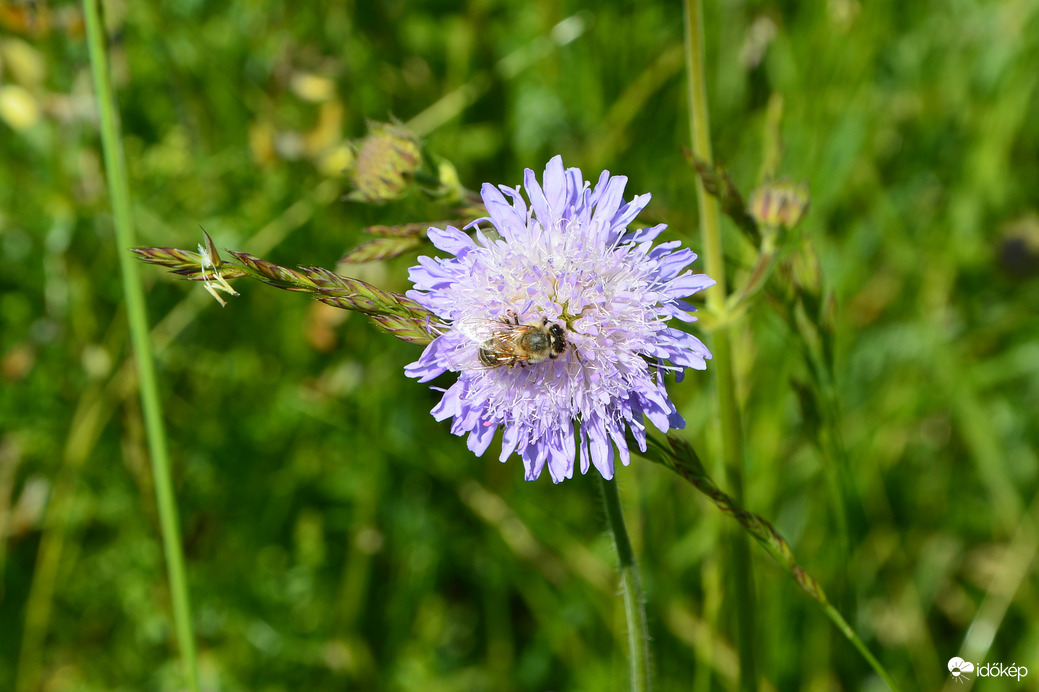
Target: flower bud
x: 780, y: 204
x: 385, y: 165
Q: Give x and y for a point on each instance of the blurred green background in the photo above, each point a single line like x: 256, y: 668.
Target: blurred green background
x: 339, y: 538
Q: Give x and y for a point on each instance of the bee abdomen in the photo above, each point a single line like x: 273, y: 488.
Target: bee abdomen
x: 488, y: 358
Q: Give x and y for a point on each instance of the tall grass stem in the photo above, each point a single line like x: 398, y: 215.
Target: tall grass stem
x: 634, y: 606
x: 728, y: 411
x: 680, y: 457
x: 118, y: 187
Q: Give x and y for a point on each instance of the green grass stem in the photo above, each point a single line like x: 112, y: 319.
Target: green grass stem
x: 728, y: 410
x: 634, y: 606
x: 681, y: 458
x: 115, y: 168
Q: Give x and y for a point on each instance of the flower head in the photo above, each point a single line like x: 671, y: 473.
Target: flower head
x: 560, y: 323
x: 209, y: 258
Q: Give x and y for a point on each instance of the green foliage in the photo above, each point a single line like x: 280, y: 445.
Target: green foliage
x: 336, y: 536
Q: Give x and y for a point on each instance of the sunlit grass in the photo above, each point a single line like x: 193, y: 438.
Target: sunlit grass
x: 335, y: 535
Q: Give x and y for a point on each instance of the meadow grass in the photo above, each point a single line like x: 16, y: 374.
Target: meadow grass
x: 335, y: 536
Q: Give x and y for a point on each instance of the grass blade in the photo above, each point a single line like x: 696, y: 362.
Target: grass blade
x: 119, y: 192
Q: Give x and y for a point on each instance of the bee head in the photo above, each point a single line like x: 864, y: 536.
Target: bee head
x: 557, y: 338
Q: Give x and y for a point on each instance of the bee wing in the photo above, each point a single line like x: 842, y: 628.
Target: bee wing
x: 494, y: 340
x: 482, y: 330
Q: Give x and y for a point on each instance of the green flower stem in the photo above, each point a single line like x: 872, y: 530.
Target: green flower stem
x: 728, y: 411
x: 115, y: 168
x: 634, y: 608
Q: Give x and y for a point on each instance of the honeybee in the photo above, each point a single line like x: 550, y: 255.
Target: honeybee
x: 507, y: 344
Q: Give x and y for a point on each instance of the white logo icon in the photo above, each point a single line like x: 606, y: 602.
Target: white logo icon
x: 959, y: 668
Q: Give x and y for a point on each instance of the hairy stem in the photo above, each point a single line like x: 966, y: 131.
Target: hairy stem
x: 634, y: 608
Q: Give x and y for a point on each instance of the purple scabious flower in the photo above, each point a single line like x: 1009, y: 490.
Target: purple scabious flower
x: 567, y: 260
